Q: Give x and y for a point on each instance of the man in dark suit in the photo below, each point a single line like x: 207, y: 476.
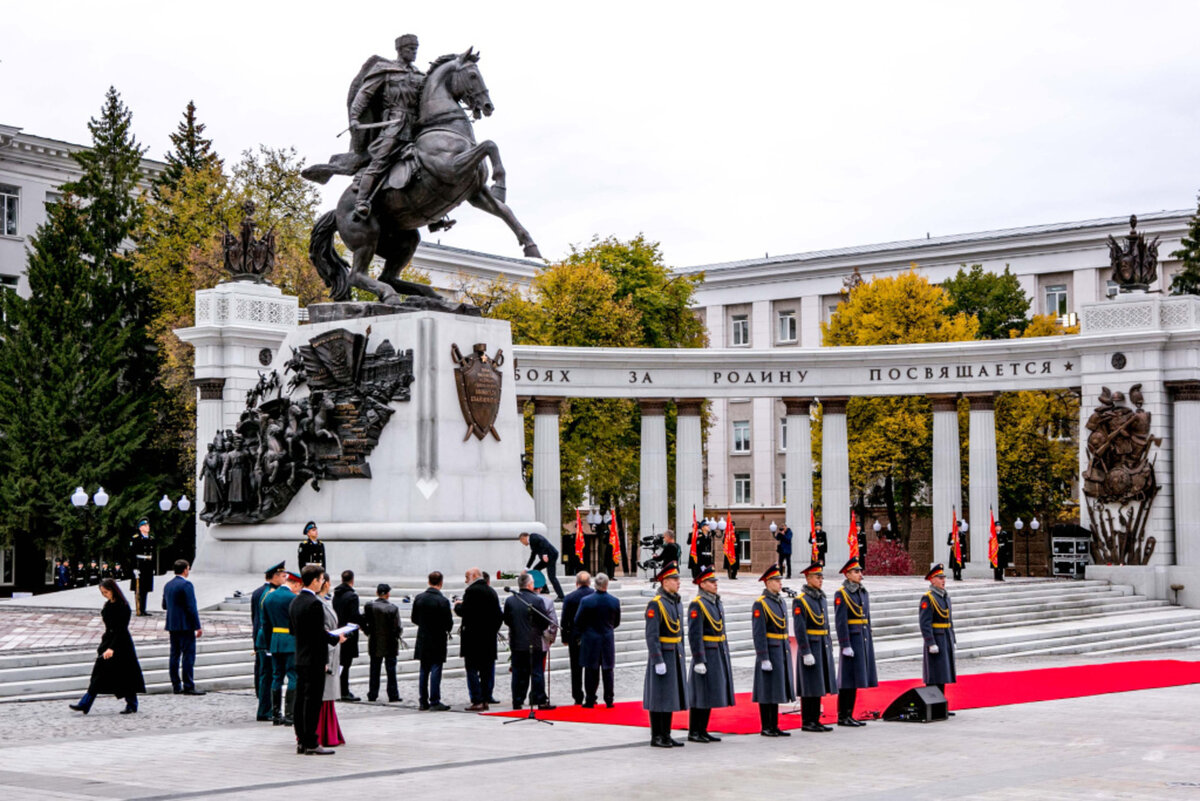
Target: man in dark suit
x: 306, y: 618
x: 819, y: 538
x: 783, y: 547
x: 262, y: 655
x: 345, y: 604
x: 599, y: 614
x: 431, y: 615
x: 183, y: 625
x: 142, y: 549
x: 481, y: 619
x: 545, y: 556
x: 525, y: 630
x: 570, y: 634
x: 381, y: 624
x: 311, y: 550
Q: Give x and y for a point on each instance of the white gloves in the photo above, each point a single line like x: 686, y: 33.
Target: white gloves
x: 933, y: 649
x: 847, y: 651
x: 767, y: 666
x: 809, y: 660
x: 661, y: 669
x: 700, y: 668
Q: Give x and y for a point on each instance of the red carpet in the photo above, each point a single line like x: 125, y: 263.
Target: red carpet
x: 971, y: 691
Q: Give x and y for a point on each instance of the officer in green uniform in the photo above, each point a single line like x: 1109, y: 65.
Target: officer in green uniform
x: 815, y: 675
x: 937, y: 631
x: 852, y: 614
x: 665, y: 689
x: 263, y: 671
x: 773, y: 663
x: 282, y: 645
x: 712, y: 672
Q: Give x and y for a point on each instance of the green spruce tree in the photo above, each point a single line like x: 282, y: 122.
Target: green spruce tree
x: 1187, y: 280
x: 190, y: 150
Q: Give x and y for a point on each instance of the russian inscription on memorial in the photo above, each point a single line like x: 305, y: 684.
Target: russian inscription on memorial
x: 478, y: 379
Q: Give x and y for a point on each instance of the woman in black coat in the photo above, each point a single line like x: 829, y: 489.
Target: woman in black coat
x: 116, y: 671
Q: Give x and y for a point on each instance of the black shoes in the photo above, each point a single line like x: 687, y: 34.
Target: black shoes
x: 676, y: 743
x: 815, y: 727
x: 850, y: 722
x: 775, y: 733
x: 194, y: 691
x: 350, y: 697
x: 129, y: 710
x: 547, y: 707
x: 300, y: 749
x: 662, y: 742
x: 609, y: 705
x: 79, y: 708
x: 319, y: 751
x: 591, y: 705
x: 263, y: 718
x: 702, y: 737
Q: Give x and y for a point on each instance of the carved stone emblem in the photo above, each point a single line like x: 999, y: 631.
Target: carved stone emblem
x: 1119, y: 479
x: 478, y: 380
x: 281, y: 441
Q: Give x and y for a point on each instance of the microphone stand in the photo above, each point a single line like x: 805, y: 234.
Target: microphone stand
x: 532, y: 707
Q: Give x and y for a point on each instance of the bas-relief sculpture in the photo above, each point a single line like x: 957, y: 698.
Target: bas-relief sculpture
x: 414, y: 159
x: 1119, y: 483
x: 478, y: 379
x: 252, y: 472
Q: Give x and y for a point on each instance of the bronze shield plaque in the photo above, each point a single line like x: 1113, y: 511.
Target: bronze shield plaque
x: 478, y: 379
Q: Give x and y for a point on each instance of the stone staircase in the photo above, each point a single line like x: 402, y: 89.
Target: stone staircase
x: 991, y: 620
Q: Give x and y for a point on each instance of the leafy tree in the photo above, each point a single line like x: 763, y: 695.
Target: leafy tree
x: 995, y: 299
x: 1187, y: 280
x: 890, y: 436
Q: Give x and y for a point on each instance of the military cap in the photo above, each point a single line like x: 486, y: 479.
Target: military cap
x: 270, y: 571
x: 772, y: 572
x: 293, y: 577
x: 937, y: 570
x: 670, y: 570
x: 406, y: 39
x: 706, y: 573
x: 308, y: 526
x: 815, y: 567
x: 143, y: 522
x: 853, y: 564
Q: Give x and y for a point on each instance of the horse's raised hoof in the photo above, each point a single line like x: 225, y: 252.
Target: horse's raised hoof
x: 392, y: 300
x: 532, y: 252
x: 499, y: 192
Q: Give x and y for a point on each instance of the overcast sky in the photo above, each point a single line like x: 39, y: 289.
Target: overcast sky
x: 724, y: 131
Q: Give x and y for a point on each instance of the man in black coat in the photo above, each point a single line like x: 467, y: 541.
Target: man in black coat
x: 599, y: 614
x: 783, y: 547
x: 306, y: 618
x: 311, y: 550
x: 670, y: 550
x: 142, y: 549
x: 525, y: 630
x: 545, y: 556
x: 381, y: 624
x: 345, y: 604
x: 481, y: 619
x: 821, y: 540
x: 431, y: 615
x: 583, y: 589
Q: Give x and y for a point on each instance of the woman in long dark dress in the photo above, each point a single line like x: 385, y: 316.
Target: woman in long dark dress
x: 116, y: 671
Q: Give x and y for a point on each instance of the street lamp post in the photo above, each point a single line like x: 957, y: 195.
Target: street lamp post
x: 1034, y: 525
x: 165, y: 503
x: 79, y: 499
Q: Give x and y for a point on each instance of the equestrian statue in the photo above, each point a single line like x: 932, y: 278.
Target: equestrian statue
x: 414, y: 159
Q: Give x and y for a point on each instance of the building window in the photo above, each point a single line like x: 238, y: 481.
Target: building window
x: 10, y: 202
x: 1111, y: 289
x: 741, y: 436
x: 783, y: 487
x: 6, y: 566
x: 783, y: 433
x: 787, y: 327
x: 741, y: 329
x: 1056, y: 299
x: 741, y: 488
x: 743, y: 547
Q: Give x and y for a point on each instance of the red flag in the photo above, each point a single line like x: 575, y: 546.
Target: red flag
x: 730, y: 539
x: 812, y: 535
x: 957, y: 542
x: 614, y: 539
x: 695, y: 533
x: 993, y: 541
x: 578, y: 536
x: 852, y: 537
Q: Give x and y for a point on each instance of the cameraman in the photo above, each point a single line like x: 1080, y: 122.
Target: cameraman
x: 670, y: 551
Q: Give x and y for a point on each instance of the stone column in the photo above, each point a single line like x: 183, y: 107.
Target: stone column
x: 547, y: 488
x: 689, y: 471
x: 984, y: 489
x: 798, y: 461
x: 835, y: 481
x: 1185, y: 409
x: 947, y: 472
x: 209, y: 420
x: 654, y: 468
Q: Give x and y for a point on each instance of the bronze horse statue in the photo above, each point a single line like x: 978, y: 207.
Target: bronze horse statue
x: 446, y: 168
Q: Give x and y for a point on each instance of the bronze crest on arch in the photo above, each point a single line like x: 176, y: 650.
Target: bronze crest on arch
x: 478, y: 379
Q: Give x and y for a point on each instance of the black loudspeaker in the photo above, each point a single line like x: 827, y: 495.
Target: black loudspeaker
x: 920, y: 704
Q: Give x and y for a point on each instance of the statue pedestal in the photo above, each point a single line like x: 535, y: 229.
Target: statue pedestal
x: 435, y: 501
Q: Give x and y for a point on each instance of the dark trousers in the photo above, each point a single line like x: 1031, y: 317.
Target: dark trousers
x: 527, y: 669
x: 660, y: 725
x: 551, y: 568
x: 283, y: 668
x: 698, y: 720
x: 310, y: 691
x: 430, y: 683
x: 731, y: 568
x: 481, y: 677
x: 344, y: 678
x: 956, y: 568
x: 388, y: 663
x: 266, y: 673
x: 846, y: 699
x: 810, y: 709
x: 591, y: 680
x: 183, y: 652
x: 141, y: 589
x: 576, y: 672
x: 260, y: 659
x: 998, y: 573
x: 785, y: 559
x: 768, y: 715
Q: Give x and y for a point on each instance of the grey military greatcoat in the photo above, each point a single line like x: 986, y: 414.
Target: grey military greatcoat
x: 810, y: 621
x: 706, y: 637
x: 852, y: 613
x: 769, y: 623
x: 664, y: 644
x: 937, y: 629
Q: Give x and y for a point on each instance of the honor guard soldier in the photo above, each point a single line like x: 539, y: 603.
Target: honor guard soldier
x: 712, y: 672
x: 142, y: 549
x: 773, y: 663
x: 852, y: 614
x: 281, y: 643
x: 311, y: 552
x: 666, y: 689
x: 815, y: 675
x: 274, y: 576
x: 937, y: 631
